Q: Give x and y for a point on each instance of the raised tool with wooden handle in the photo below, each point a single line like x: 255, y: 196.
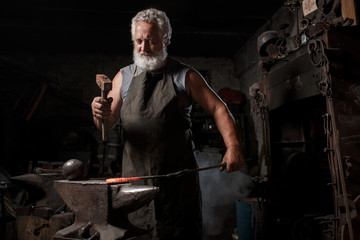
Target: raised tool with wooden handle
x: 105, y: 85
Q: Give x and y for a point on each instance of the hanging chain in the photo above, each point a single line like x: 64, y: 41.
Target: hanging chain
x: 318, y: 58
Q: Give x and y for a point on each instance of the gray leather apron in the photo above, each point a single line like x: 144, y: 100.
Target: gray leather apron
x: 157, y: 141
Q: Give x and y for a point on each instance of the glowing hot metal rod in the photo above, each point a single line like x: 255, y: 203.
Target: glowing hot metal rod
x: 175, y: 174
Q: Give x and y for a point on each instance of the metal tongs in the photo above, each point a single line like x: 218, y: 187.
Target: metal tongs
x: 169, y: 175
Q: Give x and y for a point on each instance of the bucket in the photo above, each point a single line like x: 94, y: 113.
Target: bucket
x: 245, y: 216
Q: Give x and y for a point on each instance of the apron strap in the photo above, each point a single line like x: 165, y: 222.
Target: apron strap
x: 136, y: 71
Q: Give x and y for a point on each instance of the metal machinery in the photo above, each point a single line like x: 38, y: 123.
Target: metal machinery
x: 309, y: 99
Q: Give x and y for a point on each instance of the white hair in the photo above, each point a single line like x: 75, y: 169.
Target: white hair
x: 153, y: 15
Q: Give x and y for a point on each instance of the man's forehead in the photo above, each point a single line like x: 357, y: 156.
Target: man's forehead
x: 146, y: 35
x: 145, y: 26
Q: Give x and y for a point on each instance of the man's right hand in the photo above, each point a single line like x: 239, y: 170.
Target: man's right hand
x: 101, y: 108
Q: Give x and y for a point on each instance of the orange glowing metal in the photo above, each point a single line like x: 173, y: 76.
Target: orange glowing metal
x: 124, y: 179
x: 175, y: 174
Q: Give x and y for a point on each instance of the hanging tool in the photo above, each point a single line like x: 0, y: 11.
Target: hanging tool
x: 175, y: 174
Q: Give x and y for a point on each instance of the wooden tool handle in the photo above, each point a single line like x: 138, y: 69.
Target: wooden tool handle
x: 105, y: 85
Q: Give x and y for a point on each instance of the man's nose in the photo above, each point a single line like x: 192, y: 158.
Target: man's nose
x: 145, y: 46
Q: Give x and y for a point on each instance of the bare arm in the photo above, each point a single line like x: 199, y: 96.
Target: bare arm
x: 199, y: 90
x: 110, y: 110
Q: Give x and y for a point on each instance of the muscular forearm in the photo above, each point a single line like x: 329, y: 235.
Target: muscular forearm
x: 226, y: 125
x: 225, y: 122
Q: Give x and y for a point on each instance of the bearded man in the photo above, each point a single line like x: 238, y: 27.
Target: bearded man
x: 152, y: 98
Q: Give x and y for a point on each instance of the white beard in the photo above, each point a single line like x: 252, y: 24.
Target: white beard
x: 150, y: 63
